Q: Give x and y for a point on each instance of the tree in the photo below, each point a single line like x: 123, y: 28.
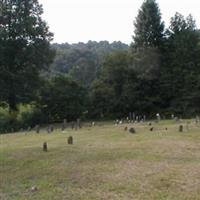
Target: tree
x: 24, y: 50
x: 180, y: 79
x: 146, y: 53
x: 108, y: 92
x: 148, y: 26
x: 62, y: 98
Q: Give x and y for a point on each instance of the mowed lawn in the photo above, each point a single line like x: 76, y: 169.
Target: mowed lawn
x: 105, y: 162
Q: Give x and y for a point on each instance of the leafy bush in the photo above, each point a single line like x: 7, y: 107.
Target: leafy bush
x: 27, y: 116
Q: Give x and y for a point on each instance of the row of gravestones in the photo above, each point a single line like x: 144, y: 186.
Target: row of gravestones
x: 74, y: 125
x: 69, y: 141
x: 132, y: 130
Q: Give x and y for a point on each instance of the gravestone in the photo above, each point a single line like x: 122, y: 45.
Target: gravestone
x: 64, y: 125
x: 72, y: 125
x: 126, y: 128
x: 45, y: 146
x: 37, y: 128
x: 132, y: 130
x: 151, y: 129
x: 78, y: 121
x: 48, y: 129
x: 70, y: 140
x: 181, y: 128
x: 34, y: 189
x: 51, y: 128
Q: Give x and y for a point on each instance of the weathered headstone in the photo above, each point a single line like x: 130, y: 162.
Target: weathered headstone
x: 151, y: 129
x: 37, y: 128
x: 48, y: 129
x: 78, y: 123
x: 181, y: 128
x: 34, y: 189
x: 126, y: 128
x: 64, y: 125
x: 51, y: 128
x: 45, y: 146
x: 197, y: 120
x: 132, y: 130
x: 72, y: 125
x: 133, y: 116
x: 70, y: 140
x: 158, y: 117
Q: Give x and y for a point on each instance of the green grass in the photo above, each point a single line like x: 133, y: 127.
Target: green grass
x: 105, y: 162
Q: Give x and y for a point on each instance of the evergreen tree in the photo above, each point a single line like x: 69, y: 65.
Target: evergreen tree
x: 148, y: 40
x: 180, y: 79
x: 148, y: 26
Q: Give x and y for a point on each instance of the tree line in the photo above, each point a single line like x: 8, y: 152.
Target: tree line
x: 158, y: 72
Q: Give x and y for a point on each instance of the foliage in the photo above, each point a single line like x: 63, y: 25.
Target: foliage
x: 24, y: 50
x: 62, y: 98
x: 148, y: 26
x: 158, y: 72
x: 83, y: 61
x: 181, y: 70
x: 27, y: 116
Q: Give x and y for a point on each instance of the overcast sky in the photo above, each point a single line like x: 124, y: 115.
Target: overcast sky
x: 75, y: 21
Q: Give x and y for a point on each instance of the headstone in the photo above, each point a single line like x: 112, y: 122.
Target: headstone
x: 64, y: 125
x: 130, y: 116
x: 151, y: 129
x: 133, y: 116
x: 126, y: 128
x: 48, y: 129
x: 132, y: 130
x: 197, y: 120
x: 70, y: 140
x: 144, y: 118
x: 73, y: 124
x: 116, y: 122
x: 45, y: 146
x: 37, y: 128
x: 78, y: 123
x: 158, y: 117
x: 51, y: 128
x: 34, y: 189
x: 181, y: 128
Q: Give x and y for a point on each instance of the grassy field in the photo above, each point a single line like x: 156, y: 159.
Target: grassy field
x: 105, y: 162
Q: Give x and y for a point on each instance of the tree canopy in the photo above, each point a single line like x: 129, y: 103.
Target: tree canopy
x: 24, y: 50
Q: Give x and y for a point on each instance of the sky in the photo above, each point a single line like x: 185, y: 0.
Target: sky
x: 74, y: 21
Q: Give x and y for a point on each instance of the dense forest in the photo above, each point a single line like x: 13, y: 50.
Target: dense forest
x: 43, y: 83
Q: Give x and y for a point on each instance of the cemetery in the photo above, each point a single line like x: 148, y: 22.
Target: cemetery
x: 99, y: 100
x: 103, y: 161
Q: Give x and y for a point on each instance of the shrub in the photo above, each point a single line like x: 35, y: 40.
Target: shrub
x: 27, y: 116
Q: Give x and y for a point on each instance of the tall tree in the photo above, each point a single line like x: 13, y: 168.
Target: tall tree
x: 148, y: 26
x: 24, y: 50
x: 146, y: 54
x: 182, y: 65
